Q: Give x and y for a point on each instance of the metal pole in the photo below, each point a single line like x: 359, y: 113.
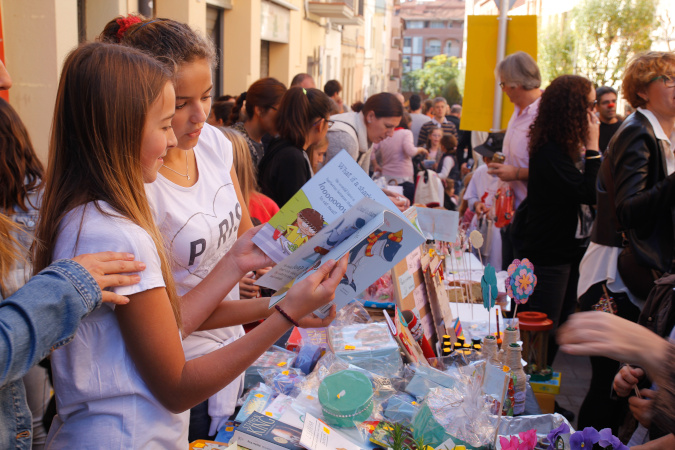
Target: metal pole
x: 501, y: 49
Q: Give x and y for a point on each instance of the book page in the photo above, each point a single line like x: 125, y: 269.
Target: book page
x: 330, y: 193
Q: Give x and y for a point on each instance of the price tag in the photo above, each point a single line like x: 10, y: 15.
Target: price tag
x: 285, y: 372
x: 259, y: 395
x: 282, y: 364
x: 350, y: 347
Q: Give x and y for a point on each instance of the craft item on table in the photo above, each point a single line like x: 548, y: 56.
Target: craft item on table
x: 302, y: 336
x: 476, y: 344
x: 488, y: 284
x: 438, y: 298
x: 606, y: 303
x: 316, y: 435
x: 499, y: 334
x: 277, y: 407
x: 307, y: 358
x: 534, y: 330
x: 472, y: 290
x: 285, y: 381
x: 226, y: 432
x: 369, y: 346
x: 458, y: 330
x: 383, y: 436
x: 415, y: 326
x: 403, y: 336
x: 491, y: 348
x: 346, y: 398
x: 510, y: 337
x: 461, y: 414
x: 400, y: 408
x: 256, y: 401
x: 265, y: 433
x: 520, y: 282
x: 513, y: 360
x: 425, y: 378
x: 276, y: 357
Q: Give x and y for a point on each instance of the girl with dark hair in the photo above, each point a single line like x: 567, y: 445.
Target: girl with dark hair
x: 303, y: 120
x: 197, y: 176
x: 262, y: 103
x: 564, y: 163
x: 357, y: 132
x: 109, y: 138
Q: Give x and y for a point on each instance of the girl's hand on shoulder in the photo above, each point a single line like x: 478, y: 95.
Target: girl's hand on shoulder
x: 316, y: 290
x: 107, y: 269
x: 246, y: 256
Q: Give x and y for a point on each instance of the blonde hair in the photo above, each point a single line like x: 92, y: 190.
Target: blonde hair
x: 95, y: 145
x: 243, y: 163
x: 642, y: 69
x: 520, y: 69
x: 11, y: 249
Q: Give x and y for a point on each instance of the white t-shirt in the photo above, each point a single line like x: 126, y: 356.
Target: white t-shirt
x: 199, y: 224
x: 102, y: 401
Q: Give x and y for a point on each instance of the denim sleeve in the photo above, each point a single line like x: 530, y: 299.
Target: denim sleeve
x: 43, y: 315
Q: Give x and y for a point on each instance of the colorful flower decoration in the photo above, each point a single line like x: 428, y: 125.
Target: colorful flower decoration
x: 521, y: 280
x: 488, y: 284
x: 554, y: 434
x: 607, y: 439
x: 584, y: 440
x: 509, y: 444
x: 529, y: 440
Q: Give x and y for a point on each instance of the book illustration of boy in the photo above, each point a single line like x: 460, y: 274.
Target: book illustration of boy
x: 307, y: 224
x: 381, y: 244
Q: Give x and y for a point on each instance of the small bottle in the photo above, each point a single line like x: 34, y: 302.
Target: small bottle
x: 510, y: 337
x: 475, y: 344
x: 513, y: 360
x: 447, y: 351
x: 491, y: 349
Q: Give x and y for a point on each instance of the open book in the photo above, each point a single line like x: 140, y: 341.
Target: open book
x: 339, y: 211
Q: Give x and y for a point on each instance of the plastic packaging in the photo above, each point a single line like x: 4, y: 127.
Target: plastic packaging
x: 369, y: 346
x: 308, y: 356
x: 275, y: 357
x: 401, y: 408
x: 422, y: 379
x: 282, y: 380
x: 350, y: 314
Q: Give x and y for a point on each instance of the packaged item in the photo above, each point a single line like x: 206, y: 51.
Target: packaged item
x: 351, y: 314
x: 304, y: 336
x: 226, y: 432
x: 276, y: 357
x: 424, y: 378
x: 277, y: 407
x: 316, y: 435
x: 369, y: 346
x: 308, y: 356
x: 401, y: 408
x: 346, y: 398
x: 281, y: 380
x: 265, y: 433
x: 256, y: 401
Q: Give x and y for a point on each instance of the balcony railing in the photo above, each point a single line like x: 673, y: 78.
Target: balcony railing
x: 338, y: 11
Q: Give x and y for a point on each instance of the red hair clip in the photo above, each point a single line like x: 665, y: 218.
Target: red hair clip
x: 125, y: 23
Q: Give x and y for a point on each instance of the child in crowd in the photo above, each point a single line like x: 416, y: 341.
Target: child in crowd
x: 480, y: 196
x: 110, y: 136
x: 317, y: 154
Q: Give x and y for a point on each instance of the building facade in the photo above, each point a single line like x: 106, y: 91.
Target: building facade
x: 347, y: 40
x: 431, y: 28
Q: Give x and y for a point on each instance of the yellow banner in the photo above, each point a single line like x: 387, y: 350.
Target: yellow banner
x: 481, y: 60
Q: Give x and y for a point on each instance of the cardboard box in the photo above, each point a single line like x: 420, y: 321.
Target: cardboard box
x: 551, y: 386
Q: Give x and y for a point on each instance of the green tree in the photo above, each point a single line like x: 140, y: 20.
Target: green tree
x: 557, y: 45
x: 609, y: 32
x: 435, y: 78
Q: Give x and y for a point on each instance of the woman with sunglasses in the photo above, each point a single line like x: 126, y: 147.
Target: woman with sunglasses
x: 303, y: 120
x: 564, y: 163
x: 632, y: 242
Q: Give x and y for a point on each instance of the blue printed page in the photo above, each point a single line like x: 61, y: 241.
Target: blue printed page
x: 329, y: 194
x: 373, y: 250
x: 438, y: 224
x: 321, y: 244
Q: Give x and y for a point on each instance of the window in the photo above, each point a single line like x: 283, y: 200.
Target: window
x: 417, y: 62
x: 413, y: 24
x: 417, y: 42
x: 437, y: 24
x: 433, y: 47
x: 407, y: 45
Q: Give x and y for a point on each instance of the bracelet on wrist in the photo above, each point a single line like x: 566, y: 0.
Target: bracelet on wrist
x: 518, y: 174
x: 286, y: 316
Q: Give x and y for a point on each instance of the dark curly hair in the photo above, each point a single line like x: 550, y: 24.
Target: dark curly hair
x: 563, y: 115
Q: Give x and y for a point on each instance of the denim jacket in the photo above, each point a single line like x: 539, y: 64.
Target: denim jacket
x: 38, y: 318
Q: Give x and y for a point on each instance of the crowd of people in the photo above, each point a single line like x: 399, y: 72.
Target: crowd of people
x: 153, y: 191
